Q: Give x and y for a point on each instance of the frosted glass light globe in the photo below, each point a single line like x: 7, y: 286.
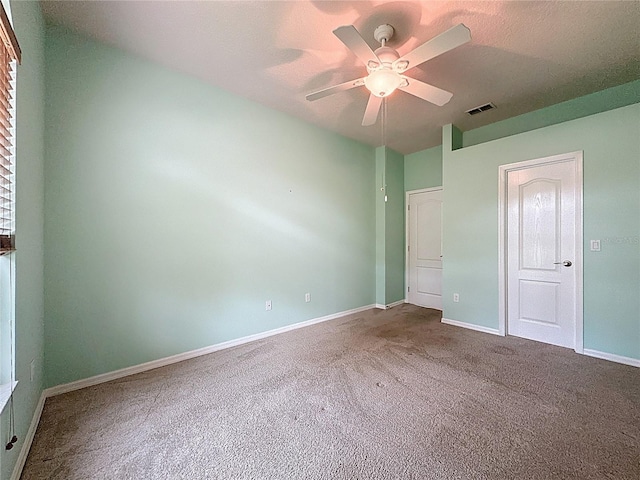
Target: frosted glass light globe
x: 382, y: 83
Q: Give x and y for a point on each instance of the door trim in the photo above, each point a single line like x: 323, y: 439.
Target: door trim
x: 503, y: 170
x: 406, y: 234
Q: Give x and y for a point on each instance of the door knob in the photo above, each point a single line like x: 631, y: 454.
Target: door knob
x: 566, y: 263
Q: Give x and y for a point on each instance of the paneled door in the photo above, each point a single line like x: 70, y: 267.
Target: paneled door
x: 425, y: 248
x: 541, y: 256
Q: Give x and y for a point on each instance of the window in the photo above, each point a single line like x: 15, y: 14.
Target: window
x: 9, y: 56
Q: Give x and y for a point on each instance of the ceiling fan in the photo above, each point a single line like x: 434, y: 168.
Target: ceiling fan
x: 386, y: 67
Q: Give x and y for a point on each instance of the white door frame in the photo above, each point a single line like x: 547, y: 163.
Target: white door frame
x: 503, y: 171
x: 406, y: 234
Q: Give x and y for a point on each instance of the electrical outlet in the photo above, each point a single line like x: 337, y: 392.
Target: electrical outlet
x: 267, y: 305
x: 456, y: 297
x: 307, y: 297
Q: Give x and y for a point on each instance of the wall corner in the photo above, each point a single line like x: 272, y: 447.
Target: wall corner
x: 451, y: 138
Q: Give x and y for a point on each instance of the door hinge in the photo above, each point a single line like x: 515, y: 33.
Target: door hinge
x: 408, y: 248
x: 408, y: 289
x: 408, y: 207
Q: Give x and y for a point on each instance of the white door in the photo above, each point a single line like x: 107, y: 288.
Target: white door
x: 425, y: 249
x: 541, y: 258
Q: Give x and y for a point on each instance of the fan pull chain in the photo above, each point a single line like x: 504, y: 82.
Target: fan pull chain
x: 383, y: 130
x: 12, y: 428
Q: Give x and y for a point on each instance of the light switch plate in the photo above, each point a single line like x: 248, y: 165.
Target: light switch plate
x: 595, y: 245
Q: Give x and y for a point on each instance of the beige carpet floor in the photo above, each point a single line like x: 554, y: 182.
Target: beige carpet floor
x: 379, y: 395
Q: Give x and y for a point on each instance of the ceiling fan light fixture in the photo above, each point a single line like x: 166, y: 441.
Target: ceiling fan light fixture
x: 383, y: 83
x: 385, y: 67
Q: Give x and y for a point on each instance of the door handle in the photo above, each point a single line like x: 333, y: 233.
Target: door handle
x: 566, y: 263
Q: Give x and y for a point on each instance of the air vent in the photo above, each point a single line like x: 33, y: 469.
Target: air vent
x: 481, y: 108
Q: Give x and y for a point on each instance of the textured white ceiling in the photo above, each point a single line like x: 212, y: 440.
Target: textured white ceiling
x: 523, y: 55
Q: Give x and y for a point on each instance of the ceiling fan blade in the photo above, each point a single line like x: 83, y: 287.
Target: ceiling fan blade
x: 452, y: 38
x: 335, y: 89
x: 371, y: 113
x: 426, y: 92
x: 354, y: 42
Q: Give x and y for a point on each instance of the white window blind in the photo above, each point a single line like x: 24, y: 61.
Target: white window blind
x: 9, y: 56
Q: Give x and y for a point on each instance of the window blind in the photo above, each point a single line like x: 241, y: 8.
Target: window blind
x: 9, y: 56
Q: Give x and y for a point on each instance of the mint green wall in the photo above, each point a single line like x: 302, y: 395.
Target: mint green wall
x: 174, y: 210
x: 611, y: 145
x: 394, y: 227
x: 423, y: 169
x: 29, y: 27
x: 389, y: 226
x: 609, y: 99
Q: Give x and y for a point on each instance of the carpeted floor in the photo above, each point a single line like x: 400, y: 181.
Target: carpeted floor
x: 379, y: 395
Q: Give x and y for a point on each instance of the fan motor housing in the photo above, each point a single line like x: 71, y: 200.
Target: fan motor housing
x: 387, y: 56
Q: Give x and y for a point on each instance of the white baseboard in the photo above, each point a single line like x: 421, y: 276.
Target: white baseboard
x: 161, y: 362
x: 471, y: 326
x: 28, y: 439
x: 106, y: 377
x: 634, y: 362
x: 391, y: 305
x: 395, y: 304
